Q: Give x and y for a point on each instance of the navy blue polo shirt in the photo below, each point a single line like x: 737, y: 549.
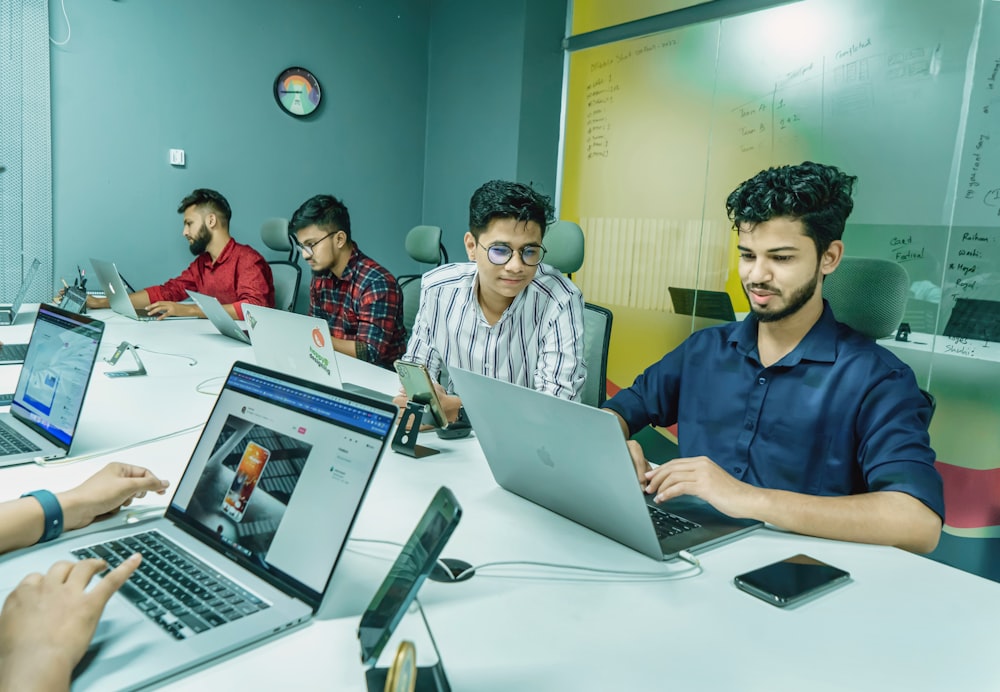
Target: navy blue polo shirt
x: 839, y: 415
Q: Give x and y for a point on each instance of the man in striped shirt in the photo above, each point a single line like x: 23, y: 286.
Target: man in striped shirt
x: 503, y: 314
x: 357, y: 296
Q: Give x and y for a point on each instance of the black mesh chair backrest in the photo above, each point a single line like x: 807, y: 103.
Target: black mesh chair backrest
x: 868, y: 294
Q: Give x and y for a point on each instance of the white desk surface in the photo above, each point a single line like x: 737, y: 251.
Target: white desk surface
x: 905, y: 622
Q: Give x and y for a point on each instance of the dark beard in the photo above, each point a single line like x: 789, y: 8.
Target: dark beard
x: 200, y: 241
x: 795, y: 302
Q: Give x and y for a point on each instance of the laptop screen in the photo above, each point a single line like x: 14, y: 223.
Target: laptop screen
x: 972, y: 318
x: 56, y: 372
x: 25, y: 285
x: 280, y: 463
x: 701, y: 303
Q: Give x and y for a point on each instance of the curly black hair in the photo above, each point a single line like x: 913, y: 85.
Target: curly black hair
x: 499, y: 199
x: 814, y: 193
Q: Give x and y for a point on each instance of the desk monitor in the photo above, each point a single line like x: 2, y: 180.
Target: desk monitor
x: 411, y: 568
x: 972, y: 318
x: 713, y: 304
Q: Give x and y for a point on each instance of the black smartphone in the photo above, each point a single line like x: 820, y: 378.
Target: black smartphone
x: 792, y: 581
x: 411, y: 568
x: 419, y: 388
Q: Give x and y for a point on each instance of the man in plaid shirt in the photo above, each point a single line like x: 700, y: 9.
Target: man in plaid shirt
x: 357, y: 296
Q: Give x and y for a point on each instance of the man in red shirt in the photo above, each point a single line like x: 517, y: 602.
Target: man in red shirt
x: 231, y: 272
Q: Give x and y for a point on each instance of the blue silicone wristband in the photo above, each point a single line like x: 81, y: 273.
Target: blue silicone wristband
x: 53, y: 514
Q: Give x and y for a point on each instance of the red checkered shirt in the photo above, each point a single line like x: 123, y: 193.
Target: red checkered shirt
x: 363, y: 305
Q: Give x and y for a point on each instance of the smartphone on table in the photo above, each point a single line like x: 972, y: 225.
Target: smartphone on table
x: 420, y: 388
x: 792, y: 581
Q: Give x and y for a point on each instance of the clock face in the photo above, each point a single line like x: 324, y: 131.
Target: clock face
x: 297, y: 91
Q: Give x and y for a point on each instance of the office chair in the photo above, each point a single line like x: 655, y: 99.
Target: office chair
x: 423, y: 243
x: 596, y: 339
x: 870, y: 296
x: 564, y: 246
x: 287, y: 273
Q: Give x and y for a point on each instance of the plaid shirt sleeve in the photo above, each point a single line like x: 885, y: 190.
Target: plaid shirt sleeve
x: 380, y: 317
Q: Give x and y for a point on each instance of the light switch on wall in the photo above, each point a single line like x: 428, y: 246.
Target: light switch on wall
x: 176, y: 157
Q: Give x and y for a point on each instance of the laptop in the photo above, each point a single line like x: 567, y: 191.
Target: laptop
x: 972, y: 318
x: 716, y: 305
x: 218, y: 316
x: 47, y: 401
x: 8, y: 313
x: 587, y: 476
x: 12, y: 354
x: 300, y: 345
x: 117, y: 293
x: 250, y: 539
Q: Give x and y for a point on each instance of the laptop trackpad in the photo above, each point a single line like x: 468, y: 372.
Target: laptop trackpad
x: 123, y: 636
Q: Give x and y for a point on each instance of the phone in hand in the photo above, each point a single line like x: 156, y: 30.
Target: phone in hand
x: 792, y: 581
x: 419, y: 388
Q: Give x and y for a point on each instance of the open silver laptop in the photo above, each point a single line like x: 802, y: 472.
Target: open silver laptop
x: 250, y: 538
x: 117, y: 293
x: 8, y: 312
x: 300, y: 345
x: 218, y: 316
x: 572, y: 459
x: 51, y: 387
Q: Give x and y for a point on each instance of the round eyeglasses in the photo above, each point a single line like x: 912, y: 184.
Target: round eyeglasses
x: 307, y: 249
x: 500, y: 255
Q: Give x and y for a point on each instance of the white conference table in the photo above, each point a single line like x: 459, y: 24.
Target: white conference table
x: 904, y: 622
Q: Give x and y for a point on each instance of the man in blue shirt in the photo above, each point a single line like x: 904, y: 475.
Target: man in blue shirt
x: 789, y: 416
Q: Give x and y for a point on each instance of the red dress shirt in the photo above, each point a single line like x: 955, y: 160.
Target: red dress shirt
x: 239, y: 275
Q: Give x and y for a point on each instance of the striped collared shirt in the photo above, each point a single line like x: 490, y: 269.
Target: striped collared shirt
x: 536, y: 343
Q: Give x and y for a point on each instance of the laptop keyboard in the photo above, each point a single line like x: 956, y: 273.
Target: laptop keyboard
x: 667, y: 524
x: 13, y: 352
x: 177, y: 591
x: 12, y: 442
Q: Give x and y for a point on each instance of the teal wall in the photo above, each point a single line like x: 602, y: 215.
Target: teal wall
x: 494, y: 95
x: 423, y: 101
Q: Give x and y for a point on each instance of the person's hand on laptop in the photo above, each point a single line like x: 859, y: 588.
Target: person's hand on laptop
x: 106, y: 492
x: 642, y: 466
x: 47, y: 622
x: 702, y: 478
x: 168, y: 308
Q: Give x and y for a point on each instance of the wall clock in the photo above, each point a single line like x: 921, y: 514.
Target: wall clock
x: 297, y: 91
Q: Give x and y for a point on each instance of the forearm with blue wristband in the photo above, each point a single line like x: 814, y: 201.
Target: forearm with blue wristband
x: 53, y: 514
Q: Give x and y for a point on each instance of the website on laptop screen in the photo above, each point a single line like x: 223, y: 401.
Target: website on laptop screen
x: 278, y: 464
x: 56, y: 372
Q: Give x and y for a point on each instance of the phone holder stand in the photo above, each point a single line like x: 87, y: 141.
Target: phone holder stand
x: 119, y: 352
x: 405, y: 439
x: 416, y: 633
x: 903, y: 333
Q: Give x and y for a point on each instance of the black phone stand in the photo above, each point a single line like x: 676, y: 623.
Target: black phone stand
x: 903, y: 333
x: 459, y: 428
x: 429, y: 678
x: 405, y: 439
